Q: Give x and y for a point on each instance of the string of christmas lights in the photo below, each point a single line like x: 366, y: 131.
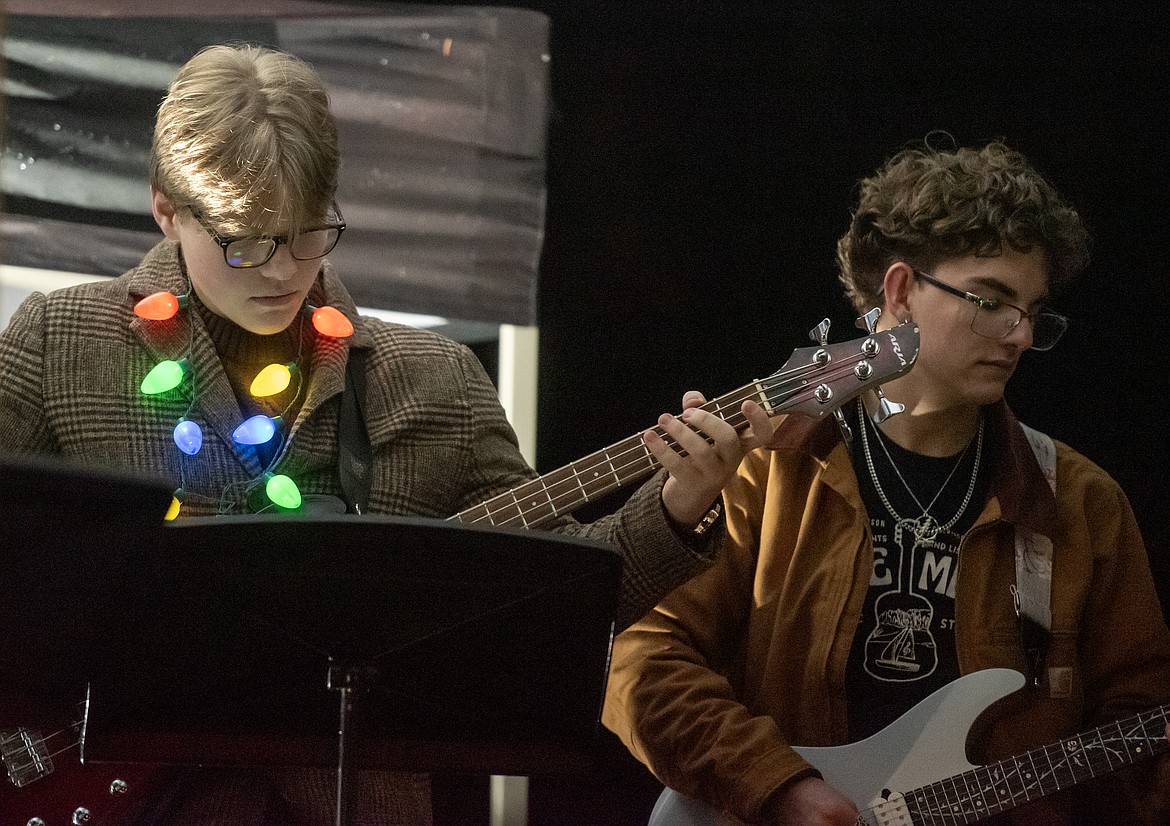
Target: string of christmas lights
x: 254, y: 431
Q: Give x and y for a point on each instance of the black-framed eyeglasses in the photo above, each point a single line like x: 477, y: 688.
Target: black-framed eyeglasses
x: 247, y: 251
x: 996, y: 319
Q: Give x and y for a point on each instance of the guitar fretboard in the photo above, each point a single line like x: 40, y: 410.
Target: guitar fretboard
x: 542, y: 500
x: 989, y: 790
x: 816, y: 387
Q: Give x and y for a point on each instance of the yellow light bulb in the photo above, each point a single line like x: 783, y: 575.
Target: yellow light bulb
x: 271, y: 380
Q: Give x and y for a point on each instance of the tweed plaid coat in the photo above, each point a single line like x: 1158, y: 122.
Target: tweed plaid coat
x: 71, y: 364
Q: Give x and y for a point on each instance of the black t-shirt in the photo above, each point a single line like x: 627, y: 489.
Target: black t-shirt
x: 905, y: 644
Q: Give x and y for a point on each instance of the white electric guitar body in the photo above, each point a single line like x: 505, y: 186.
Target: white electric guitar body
x: 915, y: 771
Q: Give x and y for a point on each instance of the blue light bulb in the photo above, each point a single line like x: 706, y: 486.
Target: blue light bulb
x: 255, y: 431
x: 188, y: 436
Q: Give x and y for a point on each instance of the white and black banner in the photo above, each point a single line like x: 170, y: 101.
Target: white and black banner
x: 442, y: 112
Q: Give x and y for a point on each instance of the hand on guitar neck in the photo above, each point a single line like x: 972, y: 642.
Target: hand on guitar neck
x: 711, y: 451
x: 701, y: 448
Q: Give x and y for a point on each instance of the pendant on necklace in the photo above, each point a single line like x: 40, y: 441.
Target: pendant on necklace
x: 925, y: 528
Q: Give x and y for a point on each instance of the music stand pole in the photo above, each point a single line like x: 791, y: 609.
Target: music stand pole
x: 349, y: 683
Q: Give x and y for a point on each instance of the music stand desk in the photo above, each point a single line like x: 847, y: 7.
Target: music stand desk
x: 214, y: 641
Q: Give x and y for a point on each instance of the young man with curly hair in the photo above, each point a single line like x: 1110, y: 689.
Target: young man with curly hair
x: 875, y: 561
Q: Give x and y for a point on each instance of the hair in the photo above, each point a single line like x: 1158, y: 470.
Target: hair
x: 927, y: 205
x: 245, y: 135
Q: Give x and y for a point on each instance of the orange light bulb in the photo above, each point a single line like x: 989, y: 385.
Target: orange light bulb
x: 158, y: 306
x: 330, y: 321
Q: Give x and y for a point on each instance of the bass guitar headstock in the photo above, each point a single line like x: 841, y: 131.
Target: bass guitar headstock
x: 818, y: 380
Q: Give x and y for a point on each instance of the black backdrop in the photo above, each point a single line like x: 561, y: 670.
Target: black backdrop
x: 701, y: 166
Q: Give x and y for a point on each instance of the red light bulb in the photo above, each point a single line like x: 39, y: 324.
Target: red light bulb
x: 158, y: 306
x: 330, y: 321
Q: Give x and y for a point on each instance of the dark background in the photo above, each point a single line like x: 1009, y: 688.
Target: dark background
x: 702, y: 164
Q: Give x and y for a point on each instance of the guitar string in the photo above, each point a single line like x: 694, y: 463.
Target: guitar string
x: 604, y: 458
x: 50, y: 754
x: 641, y: 453
x: 1095, y: 761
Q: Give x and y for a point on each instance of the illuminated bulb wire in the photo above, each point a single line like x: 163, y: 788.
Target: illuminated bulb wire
x: 273, y: 379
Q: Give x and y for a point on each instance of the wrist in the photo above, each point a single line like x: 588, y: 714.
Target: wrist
x: 695, y: 531
x: 710, y: 519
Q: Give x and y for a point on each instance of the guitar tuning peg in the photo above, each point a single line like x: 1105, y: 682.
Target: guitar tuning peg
x: 886, y: 408
x: 868, y: 322
x: 820, y: 333
x: 846, y: 430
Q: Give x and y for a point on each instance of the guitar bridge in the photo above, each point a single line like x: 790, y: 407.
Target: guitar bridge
x: 25, y: 756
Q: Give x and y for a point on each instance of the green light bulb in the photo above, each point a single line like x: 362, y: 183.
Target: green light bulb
x: 283, y: 491
x: 166, y: 375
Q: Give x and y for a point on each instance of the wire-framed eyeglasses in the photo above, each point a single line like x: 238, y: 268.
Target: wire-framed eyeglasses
x: 247, y: 251
x: 996, y: 319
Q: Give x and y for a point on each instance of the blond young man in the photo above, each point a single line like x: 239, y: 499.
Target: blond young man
x: 243, y: 185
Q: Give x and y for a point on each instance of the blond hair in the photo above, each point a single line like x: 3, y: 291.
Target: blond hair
x: 245, y: 136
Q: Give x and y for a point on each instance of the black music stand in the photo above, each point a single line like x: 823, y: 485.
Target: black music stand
x: 218, y: 641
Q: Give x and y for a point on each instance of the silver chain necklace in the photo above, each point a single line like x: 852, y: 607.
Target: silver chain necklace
x: 925, y: 528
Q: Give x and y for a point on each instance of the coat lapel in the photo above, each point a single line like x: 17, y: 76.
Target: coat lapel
x: 185, y: 336
x: 330, y: 355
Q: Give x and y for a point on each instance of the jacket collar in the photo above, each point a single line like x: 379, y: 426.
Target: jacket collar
x: 1023, y: 494
x: 331, y: 354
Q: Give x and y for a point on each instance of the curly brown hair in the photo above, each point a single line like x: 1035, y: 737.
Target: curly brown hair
x: 927, y: 205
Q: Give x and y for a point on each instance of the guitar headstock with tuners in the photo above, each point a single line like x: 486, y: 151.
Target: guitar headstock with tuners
x: 814, y: 381
x: 818, y: 380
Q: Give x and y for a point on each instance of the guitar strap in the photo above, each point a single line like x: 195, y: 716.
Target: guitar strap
x: 354, y: 455
x: 1033, y: 587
